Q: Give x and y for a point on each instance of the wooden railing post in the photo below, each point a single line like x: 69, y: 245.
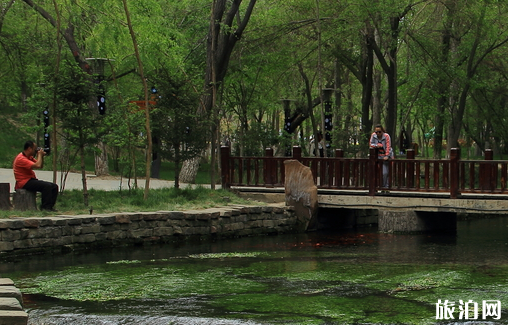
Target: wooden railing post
x: 410, y: 155
x: 297, y: 152
x: 373, y: 174
x: 484, y: 171
x: 268, y: 167
x: 454, y: 172
x: 339, y: 153
x: 225, y: 153
x: 490, y: 172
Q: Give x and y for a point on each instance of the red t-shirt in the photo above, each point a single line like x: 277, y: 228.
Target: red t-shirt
x: 23, y: 172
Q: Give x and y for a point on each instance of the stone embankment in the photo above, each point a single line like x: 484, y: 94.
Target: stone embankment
x: 63, y: 233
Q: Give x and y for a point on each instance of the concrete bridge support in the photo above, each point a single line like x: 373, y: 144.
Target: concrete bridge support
x: 408, y: 221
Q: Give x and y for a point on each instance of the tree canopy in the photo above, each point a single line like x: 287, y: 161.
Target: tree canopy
x: 432, y: 72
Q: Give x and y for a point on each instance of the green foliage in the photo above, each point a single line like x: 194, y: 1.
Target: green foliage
x: 257, y: 138
x: 13, y: 140
x: 285, y: 41
x: 182, y: 132
x: 77, y: 111
x: 125, y: 124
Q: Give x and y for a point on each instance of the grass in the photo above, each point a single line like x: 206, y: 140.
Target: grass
x: 166, y: 199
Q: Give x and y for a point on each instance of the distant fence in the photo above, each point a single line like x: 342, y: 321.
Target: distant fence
x: 452, y: 175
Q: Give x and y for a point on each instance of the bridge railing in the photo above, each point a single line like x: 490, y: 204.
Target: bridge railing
x: 452, y: 175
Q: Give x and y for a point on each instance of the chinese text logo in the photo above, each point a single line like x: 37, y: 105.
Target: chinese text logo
x: 468, y: 309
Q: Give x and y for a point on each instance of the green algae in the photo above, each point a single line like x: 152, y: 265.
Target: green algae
x: 274, y: 287
x: 124, y: 262
x: 134, y: 281
x: 229, y: 255
x: 327, y: 309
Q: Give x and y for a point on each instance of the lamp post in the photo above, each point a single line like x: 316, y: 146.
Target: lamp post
x: 328, y: 115
x: 286, y: 105
x: 97, y: 66
x: 45, y: 119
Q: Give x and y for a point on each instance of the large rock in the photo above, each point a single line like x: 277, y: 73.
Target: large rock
x: 301, y: 193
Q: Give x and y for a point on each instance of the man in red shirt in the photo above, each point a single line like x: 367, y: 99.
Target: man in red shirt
x: 23, y: 167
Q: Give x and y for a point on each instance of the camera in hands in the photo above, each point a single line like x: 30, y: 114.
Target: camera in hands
x: 46, y: 150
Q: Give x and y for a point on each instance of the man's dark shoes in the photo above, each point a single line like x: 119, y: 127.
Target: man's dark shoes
x: 49, y: 209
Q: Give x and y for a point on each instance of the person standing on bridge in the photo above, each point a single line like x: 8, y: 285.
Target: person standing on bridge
x: 382, y: 141
x: 23, y: 167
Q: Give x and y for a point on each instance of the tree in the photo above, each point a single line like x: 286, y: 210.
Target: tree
x: 182, y: 132
x: 226, y: 29
x: 147, y: 110
x: 79, y: 122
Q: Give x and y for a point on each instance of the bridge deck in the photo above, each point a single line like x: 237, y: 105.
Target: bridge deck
x: 414, y: 201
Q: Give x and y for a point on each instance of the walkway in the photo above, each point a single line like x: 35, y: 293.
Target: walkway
x: 107, y: 183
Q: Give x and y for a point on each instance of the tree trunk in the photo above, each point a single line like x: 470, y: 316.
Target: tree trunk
x: 24, y: 200
x: 156, y: 159
x: 156, y: 167
x: 390, y: 69
x: 147, y: 109
x: 213, y: 147
x: 190, y: 170
x: 367, y: 86
x: 5, y: 192
x: 221, y: 40
x: 443, y: 84
x: 101, y: 160
x: 177, y: 165
x: 83, y: 176
x: 377, y: 104
x: 439, y: 127
x: 310, y: 111
x: 456, y: 124
x: 337, y: 116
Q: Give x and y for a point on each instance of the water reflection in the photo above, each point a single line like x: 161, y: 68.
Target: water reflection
x: 302, y: 266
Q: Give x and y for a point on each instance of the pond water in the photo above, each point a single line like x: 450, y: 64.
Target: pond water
x: 339, y: 277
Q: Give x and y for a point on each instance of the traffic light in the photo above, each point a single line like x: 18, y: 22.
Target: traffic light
x: 101, y: 100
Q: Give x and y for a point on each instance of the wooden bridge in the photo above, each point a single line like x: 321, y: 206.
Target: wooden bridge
x: 419, y: 189
x: 452, y: 176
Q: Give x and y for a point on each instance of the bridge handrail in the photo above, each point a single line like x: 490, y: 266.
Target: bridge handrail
x: 453, y: 175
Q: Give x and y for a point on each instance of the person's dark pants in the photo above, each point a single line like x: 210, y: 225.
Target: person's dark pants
x: 49, y: 192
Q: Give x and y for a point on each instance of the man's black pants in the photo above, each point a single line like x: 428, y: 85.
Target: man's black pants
x: 49, y: 192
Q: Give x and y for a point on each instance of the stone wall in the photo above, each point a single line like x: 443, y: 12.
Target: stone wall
x: 61, y: 233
